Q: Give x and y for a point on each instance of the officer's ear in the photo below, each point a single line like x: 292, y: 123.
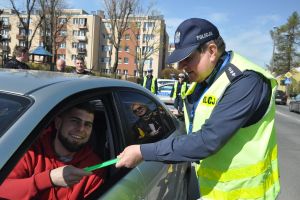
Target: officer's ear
x: 213, y: 52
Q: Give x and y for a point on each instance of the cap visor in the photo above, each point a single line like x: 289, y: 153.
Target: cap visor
x: 179, y: 54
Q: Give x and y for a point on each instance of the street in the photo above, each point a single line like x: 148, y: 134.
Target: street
x: 288, y: 134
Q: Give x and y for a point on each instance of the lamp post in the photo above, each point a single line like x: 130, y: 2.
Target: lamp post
x: 273, y: 52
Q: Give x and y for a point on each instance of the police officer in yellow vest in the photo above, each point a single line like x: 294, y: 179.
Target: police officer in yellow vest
x: 178, y: 93
x: 150, y: 82
x: 230, y: 113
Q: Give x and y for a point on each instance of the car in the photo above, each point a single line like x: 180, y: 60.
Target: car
x: 294, y: 105
x: 162, y: 81
x: 280, y: 97
x: 30, y: 100
x: 164, y: 92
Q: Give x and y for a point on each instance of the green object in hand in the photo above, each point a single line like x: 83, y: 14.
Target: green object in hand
x: 101, y: 165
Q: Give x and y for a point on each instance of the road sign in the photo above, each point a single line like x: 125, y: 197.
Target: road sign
x: 288, y: 75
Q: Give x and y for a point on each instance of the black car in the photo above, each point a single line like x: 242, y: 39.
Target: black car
x: 280, y: 97
x: 294, y: 105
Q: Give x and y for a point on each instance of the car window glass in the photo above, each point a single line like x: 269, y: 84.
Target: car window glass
x: 11, y: 107
x: 146, y: 121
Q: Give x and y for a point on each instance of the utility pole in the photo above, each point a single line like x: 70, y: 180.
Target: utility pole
x: 274, y: 44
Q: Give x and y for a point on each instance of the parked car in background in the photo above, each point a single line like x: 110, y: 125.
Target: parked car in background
x: 164, y: 92
x: 280, y: 97
x: 161, y: 81
x: 30, y: 100
x: 294, y: 105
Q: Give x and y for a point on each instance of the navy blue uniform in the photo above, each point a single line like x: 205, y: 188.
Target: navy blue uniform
x: 244, y: 103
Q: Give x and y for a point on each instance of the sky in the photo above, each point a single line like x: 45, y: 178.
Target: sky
x: 245, y: 25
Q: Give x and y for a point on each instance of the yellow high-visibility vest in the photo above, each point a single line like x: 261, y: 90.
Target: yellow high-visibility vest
x: 246, y: 167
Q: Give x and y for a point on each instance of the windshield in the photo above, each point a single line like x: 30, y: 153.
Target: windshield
x: 11, y: 108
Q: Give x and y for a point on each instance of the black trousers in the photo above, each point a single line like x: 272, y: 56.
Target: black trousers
x: 178, y: 103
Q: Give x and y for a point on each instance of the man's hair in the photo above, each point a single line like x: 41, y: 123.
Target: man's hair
x: 86, y: 106
x: 19, y: 50
x: 79, y: 58
x: 219, y: 43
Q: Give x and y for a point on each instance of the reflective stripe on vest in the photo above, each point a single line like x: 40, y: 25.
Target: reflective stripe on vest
x: 246, y: 167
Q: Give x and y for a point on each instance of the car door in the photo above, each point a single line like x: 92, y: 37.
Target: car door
x: 162, y: 181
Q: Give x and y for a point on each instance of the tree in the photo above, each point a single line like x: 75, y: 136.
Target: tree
x: 286, y: 45
x: 118, y: 13
x: 54, y: 25
x: 150, y: 43
x: 25, y: 21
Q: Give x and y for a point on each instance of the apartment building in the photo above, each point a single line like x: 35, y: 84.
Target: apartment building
x: 145, y: 40
x: 88, y: 35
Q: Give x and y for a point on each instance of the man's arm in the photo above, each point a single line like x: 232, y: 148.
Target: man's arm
x: 27, y: 183
x: 246, y: 99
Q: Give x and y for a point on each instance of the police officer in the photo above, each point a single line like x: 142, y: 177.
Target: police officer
x: 229, y: 119
x: 150, y: 82
x: 178, y: 93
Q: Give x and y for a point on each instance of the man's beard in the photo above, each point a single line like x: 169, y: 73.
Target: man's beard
x: 69, y: 145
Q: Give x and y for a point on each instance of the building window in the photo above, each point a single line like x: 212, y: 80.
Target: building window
x: 119, y: 60
x: 127, y: 37
x: 127, y: 49
x: 107, y: 25
x: 75, y: 21
x: 22, y: 43
x: 148, y: 25
x: 81, y: 45
x: 74, y: 45
x: 82, y: 21
x: 148, y: 37
x: 125, y: 71
x: 105, y: 60
x: 62, y: 45
x: 138, y: 24
x: 106, y: 48
x: 61, y: 56
x: 138, y: 36
x: 118, y: 71
x: 63, y: 33
x: 126, y: 60
x: 62, y: 20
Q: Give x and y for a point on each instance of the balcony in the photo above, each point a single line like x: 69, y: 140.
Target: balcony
x: 82, y: 26
x: 81, y: 38
x: 5, y: 37
x: 6, y: 25
x: 81, y: 50
x: 6, y: 48
x: 20, y: 25
x: 20, y: 37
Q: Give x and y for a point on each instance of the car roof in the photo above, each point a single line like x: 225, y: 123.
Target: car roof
x: 29, y: 81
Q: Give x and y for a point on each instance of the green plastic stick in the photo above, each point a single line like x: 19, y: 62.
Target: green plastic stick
x: 101, y: 165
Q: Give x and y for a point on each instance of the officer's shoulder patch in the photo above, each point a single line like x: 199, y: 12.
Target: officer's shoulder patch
x: 209, y: 100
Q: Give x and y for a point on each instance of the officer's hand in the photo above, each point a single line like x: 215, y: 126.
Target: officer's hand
x: 68, y: 175
x: 130, y: 157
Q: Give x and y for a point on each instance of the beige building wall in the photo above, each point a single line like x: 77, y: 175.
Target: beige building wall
x: 88, y: 35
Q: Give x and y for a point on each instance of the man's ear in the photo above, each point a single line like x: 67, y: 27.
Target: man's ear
x: 57, y: 122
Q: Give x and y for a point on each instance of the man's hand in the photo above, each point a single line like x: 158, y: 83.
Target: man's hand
x: 68, y: 175
x: 130, y: 157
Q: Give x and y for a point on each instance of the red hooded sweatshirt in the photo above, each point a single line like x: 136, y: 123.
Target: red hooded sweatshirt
x: 30, y: 179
